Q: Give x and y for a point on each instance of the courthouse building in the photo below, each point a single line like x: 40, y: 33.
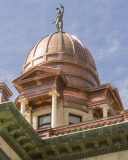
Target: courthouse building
x: 62, y: 111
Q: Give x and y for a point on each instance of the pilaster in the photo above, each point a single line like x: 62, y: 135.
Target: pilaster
x: 29, y: 114
x: 90, y: 113
x: 60, y: 113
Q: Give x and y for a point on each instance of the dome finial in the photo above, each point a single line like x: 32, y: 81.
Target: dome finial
x: 58, y: 21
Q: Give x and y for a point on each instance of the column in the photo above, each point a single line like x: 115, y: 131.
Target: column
x: 54, y: 95
x: 29, y: 114
x: 23, y: 103
x: 105, y: 110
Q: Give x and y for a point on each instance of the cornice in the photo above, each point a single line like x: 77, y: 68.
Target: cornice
x: 35, y: 68
x: 12, y: 122
x: 20, y: 135
x: 97, y: 88
x: 95, y: 138
x: 110, y: 93
x: 6, y: 89
x: 54, y: 78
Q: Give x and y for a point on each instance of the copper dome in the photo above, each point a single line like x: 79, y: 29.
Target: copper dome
x: 61, y: 50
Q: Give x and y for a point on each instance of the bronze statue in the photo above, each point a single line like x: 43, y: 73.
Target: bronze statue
x: 58, y: 21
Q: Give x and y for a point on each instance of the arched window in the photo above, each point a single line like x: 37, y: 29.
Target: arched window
x: 74, y: 119
x: 44, y: 121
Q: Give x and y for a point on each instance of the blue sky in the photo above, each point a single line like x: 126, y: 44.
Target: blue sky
x: 101, y: 25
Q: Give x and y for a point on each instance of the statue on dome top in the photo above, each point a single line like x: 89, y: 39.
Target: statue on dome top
x: 58, y: 21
